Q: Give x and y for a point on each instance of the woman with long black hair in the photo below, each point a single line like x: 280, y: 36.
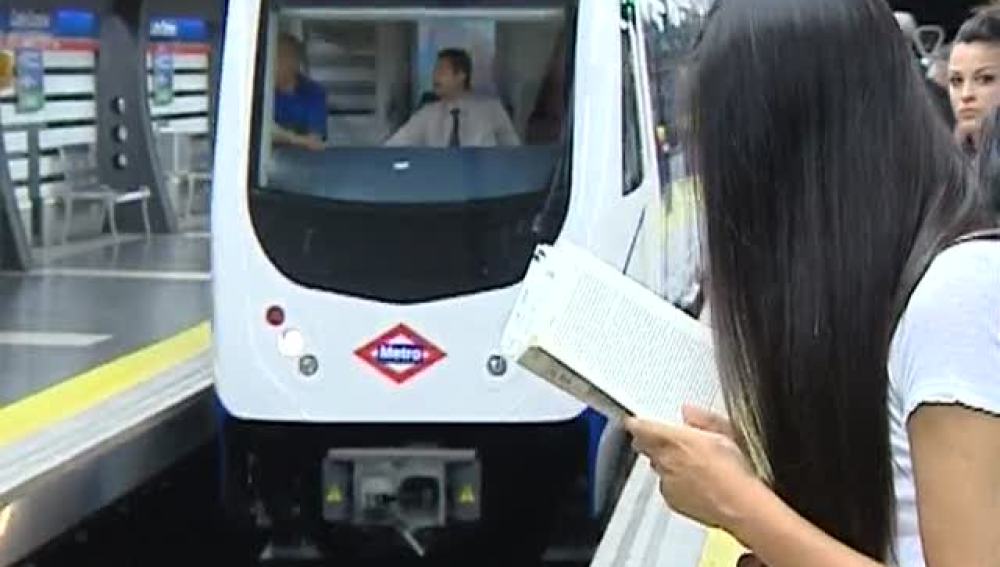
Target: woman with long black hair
x: 854, y: 291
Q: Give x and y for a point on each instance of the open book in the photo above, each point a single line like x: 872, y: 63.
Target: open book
x: 608, y: 341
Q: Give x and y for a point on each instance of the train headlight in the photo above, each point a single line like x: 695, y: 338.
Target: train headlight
x: 291, y: 343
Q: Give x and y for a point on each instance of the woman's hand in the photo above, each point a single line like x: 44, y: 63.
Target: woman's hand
x: 703, y: 474
x: 708, y: 421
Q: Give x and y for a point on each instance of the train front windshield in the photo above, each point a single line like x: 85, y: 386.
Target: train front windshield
x: 405, y: 151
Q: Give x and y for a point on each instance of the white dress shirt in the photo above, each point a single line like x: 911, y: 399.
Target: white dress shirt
x: 482, y: 122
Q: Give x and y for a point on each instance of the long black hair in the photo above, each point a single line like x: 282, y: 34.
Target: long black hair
x: 828, y: 186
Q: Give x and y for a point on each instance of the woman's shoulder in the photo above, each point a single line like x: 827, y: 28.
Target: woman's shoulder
x: 964, y: 274
x: 948, y: 341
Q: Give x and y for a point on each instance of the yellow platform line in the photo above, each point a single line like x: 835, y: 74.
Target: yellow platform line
x: 80, y: 393
x: 720, y: 550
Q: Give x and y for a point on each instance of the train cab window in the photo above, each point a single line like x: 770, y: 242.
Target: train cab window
x: 631, y: 121
x: 404, y: 151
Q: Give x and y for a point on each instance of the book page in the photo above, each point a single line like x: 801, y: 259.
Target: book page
x: 537, y: 302
x: 632, y: 345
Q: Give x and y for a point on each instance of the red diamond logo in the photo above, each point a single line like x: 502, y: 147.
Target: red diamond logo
x: 400, y: 354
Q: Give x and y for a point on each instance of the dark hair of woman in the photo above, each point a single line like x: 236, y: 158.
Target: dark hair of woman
x: 988, y: 159
x: 983, y: 26
x: 828, y: 186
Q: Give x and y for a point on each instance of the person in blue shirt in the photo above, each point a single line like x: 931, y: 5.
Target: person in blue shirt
x: 300, y: 110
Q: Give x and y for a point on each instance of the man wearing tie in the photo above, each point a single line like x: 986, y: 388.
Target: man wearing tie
x: 458, y: 118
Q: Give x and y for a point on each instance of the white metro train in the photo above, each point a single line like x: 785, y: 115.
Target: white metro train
x: 361, y: 287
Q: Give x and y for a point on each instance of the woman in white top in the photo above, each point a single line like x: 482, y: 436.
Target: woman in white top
x: 858, y: 341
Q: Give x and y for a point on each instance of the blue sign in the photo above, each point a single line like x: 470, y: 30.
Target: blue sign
x: 179, y: 29
x: 30, y: 85
x: 74, y: 23
x: 59, y: 23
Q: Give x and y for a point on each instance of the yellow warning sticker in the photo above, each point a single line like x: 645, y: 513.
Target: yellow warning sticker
x: 721, y: 550
x: 467, y: 495
x: 335, y: 495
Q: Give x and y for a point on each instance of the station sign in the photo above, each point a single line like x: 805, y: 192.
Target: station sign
x: 169, y: 37
x: 181, y: 35
x: 179, y: 29
x: 163, y: 74
x: 55, y: 30
x: 29, y: 33
x: 30, y: 79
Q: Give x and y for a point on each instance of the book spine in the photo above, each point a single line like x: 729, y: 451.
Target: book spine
x: 543, y: 364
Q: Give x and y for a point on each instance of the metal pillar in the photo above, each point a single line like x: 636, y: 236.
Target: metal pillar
x: 126, y: 147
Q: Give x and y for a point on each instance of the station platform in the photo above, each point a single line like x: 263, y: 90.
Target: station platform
x: 643, y: 532
x: 104, y: 378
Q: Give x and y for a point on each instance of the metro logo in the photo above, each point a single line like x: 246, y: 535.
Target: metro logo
x: 400, y: 354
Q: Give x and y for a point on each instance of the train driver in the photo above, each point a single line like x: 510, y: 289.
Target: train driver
x: 458, y: 118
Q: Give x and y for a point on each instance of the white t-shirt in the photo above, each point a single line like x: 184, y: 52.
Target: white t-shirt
x: 946, y: 349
